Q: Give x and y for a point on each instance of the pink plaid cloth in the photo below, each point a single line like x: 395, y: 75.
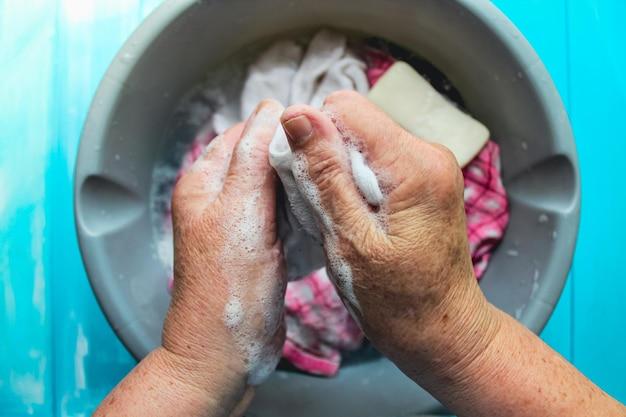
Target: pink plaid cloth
x: 378, y: 62
x: 486, y: 205
x: 318, y: 325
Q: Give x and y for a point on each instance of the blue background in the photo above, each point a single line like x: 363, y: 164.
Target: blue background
x: 58, y: 355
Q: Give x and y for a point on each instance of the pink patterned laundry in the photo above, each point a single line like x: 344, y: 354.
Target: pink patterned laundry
x: 378, y: 62
x: 318, y: 325
x: 486, y: 205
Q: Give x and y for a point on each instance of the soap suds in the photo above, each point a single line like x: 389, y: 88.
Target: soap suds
x: 281, y: 159
x: 245, y: 235
x: 233, y: 313
x: 373, y: 185
x: 262, y: 361
x: 309, y: 191
x: 339, y: 269
x: 364, y: 178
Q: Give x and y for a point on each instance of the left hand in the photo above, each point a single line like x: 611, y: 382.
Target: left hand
x: 226, y: 313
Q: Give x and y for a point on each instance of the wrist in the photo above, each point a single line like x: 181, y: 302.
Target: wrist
x: 213, y: 383
x: 457, y: 332
x: 474, y: 325
x: 199, y: 344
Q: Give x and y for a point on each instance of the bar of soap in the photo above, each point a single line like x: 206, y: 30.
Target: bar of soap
x: 415, y: 105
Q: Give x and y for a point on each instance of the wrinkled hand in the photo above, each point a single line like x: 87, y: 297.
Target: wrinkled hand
x: 403, y: 269
x: 226, y: 311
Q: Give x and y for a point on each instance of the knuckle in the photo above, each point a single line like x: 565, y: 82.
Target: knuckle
x: 324, y: 167
x: 328, y: 182
x: 447, y: 174
x: 179, y: 194
x: 373, y: 249
x: 265, y: 102
x: 276, y: 253
x: 443, y: 156
x: 337, y: 98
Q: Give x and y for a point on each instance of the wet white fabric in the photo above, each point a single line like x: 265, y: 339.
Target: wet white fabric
x: 295, y: 74
x: 292, y: 73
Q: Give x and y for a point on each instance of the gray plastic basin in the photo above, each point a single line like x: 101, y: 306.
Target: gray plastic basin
x: 504, y: 85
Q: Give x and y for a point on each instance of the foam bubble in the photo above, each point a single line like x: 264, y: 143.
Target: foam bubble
x: 263, y: 359
x: 309, y: 190
x: 373, y: 185
x: 339, y: 269
x: 364, y: 178
x: 233, y: 312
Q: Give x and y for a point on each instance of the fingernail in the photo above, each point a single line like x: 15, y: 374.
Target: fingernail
x: 298, y: 129
x: 266, y: 113
x: 250, y: 122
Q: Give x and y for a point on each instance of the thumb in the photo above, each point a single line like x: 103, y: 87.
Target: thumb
x: 322, y: 171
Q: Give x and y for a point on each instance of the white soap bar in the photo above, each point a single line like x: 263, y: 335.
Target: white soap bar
x: 415, y: 105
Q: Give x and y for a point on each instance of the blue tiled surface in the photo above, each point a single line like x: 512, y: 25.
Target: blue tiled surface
x: 59, y: 357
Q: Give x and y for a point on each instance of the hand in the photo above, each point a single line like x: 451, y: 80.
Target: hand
x: 403, y: 269
x: 226, y: 314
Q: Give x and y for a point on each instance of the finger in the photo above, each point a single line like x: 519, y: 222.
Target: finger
x: 212, y: 165
x: 220, y: 150
x: 250, y: 186
x: 198, y: 187
x: 322, y: 170
x: 250, y: 170
x: 208, y: 172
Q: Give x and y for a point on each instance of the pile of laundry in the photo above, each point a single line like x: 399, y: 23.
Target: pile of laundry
x: 319, y: 327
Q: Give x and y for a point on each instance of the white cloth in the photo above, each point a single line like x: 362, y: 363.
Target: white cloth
x: 290, y: 74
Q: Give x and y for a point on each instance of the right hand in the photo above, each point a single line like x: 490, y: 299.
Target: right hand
x: 405, y: 273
